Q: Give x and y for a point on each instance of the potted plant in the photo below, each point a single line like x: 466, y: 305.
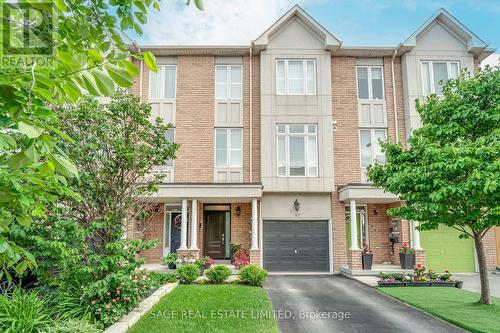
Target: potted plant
x: 367, y: 256
x: 170, y: 260
x: 241, y: 258
x: 208, y: 262
x: 201, y: 265
x: 233, y: 248
x: 407, y: 257
x: 178, y: 263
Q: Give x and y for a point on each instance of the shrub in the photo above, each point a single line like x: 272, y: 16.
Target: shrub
x: 253, y: 275
x: 218, y: 274
x: 116, y: 295
x: 24, y: 312
x: 159, y: 279
x: 241, y: 258
x: 188, y: 273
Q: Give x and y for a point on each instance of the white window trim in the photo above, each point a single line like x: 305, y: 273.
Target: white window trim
x: 229, y: 81
x: 370, y: 91
x: 228, y: 148
x: 372, y: 147
x: 431, y: 73
x: 162, y: 85
x: 304, y: 135
x: 304, y: 69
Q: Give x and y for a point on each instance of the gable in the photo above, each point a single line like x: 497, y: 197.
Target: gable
x: 438, y: 37
x: 295, y: 35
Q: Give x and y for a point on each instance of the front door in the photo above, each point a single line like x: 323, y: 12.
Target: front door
x: 215, y: 225
x: 175, y: 239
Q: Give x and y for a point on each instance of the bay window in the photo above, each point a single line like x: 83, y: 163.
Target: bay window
x: 162, y: 83
x: 436, y: 73
x: 297, y: 150
x: 228, y: 81
x: 229, y: 147
x: 371, y: 151
x: 296, y: 77
x: 370, y: 82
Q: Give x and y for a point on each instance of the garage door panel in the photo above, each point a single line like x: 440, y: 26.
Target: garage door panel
x: 309, y: 238
x: 444, y: 250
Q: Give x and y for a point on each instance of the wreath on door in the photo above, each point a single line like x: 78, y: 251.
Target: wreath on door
x: 177, y: 222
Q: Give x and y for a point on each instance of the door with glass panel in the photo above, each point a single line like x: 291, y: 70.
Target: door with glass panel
x: 361, y: 226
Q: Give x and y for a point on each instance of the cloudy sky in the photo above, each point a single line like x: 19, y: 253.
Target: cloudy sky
x: 360, y: 22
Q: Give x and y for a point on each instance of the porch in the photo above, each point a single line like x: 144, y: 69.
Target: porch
x: 196, y: 220
x: 368, y: 225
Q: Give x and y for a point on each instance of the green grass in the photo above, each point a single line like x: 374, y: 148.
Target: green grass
x: 459, y: 307
x: 210, y: 308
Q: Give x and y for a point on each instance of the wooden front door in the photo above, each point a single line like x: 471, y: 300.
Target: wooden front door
x: 215, y: 225
x: 497, y: 236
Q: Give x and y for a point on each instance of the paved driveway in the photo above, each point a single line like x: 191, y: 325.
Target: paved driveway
x: 473, y: 283
x: 344, y: 305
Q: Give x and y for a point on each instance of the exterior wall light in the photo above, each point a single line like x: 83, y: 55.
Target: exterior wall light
x: 296, y: 205
x: 238, y: 211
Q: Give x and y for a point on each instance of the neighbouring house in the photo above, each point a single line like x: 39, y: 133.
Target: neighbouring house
x: 276, y: 137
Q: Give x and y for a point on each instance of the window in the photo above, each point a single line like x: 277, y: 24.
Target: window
x: 296, y: 77
x: 433, y: 72
x: 370, y: 82
x: 361, y: 225
x: 162, y: 83
x: 228, y: 81
x: 228, y: 147
x: 170, y: 136
x: 371, y: 151
x: 297, y: 150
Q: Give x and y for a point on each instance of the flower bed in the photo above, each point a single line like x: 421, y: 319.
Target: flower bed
x: 419, y: 278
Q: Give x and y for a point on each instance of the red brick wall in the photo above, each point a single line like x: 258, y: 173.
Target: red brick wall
x: 154, y: 230
x: 338, y: 233
x: 240, y: 226
x: 379, y: 224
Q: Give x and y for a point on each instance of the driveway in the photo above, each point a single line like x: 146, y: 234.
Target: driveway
x: 473, y: 283
x: 337, y: 304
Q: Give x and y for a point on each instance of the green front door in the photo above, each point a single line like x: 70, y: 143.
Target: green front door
x: 445, y: 251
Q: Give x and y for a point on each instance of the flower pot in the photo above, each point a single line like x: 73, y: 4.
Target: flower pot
x: 171, y: 265
x: 407, y: 260
x: 367, y: 260
x: 442, y: 284
x: 390, y: 284
x: 459, y: 284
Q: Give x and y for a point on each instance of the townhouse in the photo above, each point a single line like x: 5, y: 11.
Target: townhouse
x: 276, y: 137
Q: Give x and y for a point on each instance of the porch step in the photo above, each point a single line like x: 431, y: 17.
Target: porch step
x: 375, y: 271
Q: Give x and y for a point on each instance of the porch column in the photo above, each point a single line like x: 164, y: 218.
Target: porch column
x: 194, y: 224
x: 354, y: 229
x: 255, y: 244
x: 416, y: 236
x: 184, y: 225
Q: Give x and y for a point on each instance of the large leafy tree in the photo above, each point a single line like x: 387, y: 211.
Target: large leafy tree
x: 450, y: 174
x: 117, y: 151
x: 91, y: 58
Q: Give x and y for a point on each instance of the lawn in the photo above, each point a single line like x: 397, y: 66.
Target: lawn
x: 210, y: 308
x: 456, y: 306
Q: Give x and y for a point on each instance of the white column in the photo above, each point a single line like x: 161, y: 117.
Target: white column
x: 416, y: 236
x: 184, y: 225
x: 354, y: 229
x: 194, y: 225
x: 255, y: 244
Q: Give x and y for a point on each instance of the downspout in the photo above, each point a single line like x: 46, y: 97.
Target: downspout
x: 394, y: 97
x: 251, y: 114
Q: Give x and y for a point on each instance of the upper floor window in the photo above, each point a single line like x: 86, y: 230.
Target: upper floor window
x: 229, y: 147
x: 435, y: 72
x: 296, y: 77
x: 228, y: 81
x: 297, y: 150
x: 371, y: 150
x: 370, y: 82
x: 162, y: 83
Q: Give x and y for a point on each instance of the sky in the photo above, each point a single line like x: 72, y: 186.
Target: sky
x: 359, y: 22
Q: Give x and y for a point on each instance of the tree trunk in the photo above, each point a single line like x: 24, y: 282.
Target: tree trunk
x: 483, y: 269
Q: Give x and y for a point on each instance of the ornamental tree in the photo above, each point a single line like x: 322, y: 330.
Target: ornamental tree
x: 450, y: 172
